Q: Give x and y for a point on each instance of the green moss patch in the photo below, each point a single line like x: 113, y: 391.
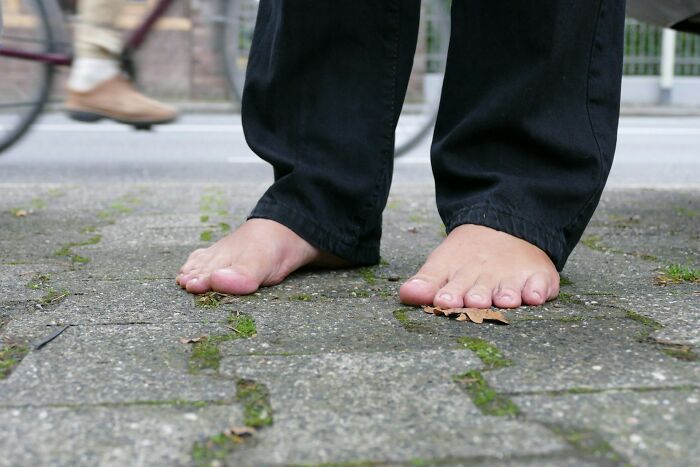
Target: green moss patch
x: 488, y: 353
x: 206, y: 355
x: 634, y: 316
x: 208, y: 300
x: 67, y: 249
x: 368, y: 274
x: 680, y: 352
x: 255, y: 397
x: 484, y: 397
x: 216, y: 448
x: 10, y: 356
x: 301, y: 297
x: 410, y: 325
x: 53, y: 297
x: 588, y: 443
x: 206, y: 235
x: 39, y: 281
x: 564, y: 297
x: 564, y: 281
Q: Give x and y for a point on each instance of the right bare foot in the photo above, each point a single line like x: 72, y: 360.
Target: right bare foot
x: 260, y: 252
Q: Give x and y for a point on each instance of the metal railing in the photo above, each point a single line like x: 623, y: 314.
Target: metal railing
x: 643, y: 51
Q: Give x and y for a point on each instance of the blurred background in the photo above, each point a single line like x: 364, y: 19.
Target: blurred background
x: 184, y: 62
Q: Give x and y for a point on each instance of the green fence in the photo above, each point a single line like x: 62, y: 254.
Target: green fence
x: 643, y: 51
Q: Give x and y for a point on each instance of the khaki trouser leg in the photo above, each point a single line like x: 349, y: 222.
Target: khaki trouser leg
x: 97, y: 35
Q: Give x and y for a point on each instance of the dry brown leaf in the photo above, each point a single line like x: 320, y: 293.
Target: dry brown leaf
x: 478, y: 315
x: 462, y: 317
x: 21, y: 213
x: 450, y: 312
x: 241, y: 431
x: 193, y: 340
x: 435, y: 310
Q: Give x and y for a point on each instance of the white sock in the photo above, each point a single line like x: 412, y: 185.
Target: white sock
x: 86, y: 73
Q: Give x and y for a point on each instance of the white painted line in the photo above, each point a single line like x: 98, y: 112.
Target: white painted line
x: 238, y: 128
x: 659, y: 131
x: 245, y: 160
x: 116, y: 128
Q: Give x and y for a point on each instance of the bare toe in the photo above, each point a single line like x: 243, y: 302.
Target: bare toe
x: 537, y: 289
x: 479, y: 296
x: 232, y: 281
x: 452, y: 294
x: 508, y: 294
x: 198, y: 285
x: 418, y: 291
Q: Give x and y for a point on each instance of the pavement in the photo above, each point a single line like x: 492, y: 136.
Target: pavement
x: 329, y: 368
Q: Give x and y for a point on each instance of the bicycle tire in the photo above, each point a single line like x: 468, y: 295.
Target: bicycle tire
x: 238, y: 19
x: 237, y: 30
x: 43, y: 88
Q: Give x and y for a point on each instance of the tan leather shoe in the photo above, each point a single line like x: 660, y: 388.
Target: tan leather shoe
x: 118, y: 100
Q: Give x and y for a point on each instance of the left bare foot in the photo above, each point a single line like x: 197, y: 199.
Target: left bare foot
x: 476, y: 266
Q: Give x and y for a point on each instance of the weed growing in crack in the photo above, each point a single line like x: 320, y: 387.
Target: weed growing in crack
x: 484, y: 397
x: 10, y: 356
x: 206, y: 354
x: 255, y: 397
x: 488, y: 353
x: 678, y: 273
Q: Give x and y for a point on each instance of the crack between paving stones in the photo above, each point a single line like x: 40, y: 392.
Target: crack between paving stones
x: 584, y: 390
x: 146, y: 403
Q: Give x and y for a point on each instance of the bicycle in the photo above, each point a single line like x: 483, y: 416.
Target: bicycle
x: 35, y: 40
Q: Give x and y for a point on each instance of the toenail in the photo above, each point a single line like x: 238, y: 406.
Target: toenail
x: 446, y: 296
x: 194, y: 281
x: 536, y: 294
x: 476, y: 296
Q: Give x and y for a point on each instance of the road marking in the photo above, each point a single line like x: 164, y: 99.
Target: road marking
x: 238, y: 128
x: 659, y: 131
x: 244, y: 160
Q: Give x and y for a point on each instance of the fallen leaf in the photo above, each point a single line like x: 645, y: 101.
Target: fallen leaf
x: 450, y: 312
x: 21, y: 213
x: 478, y: 315
x: 241, y: 431
x: 193, y: 340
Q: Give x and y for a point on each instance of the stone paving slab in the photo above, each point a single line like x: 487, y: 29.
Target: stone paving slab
x: 109, y: 436
x: 110, y: 364
x: 656, y: 428
x: 388, y: 407
x: 353, y: 375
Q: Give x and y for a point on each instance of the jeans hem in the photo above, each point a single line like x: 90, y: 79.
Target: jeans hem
x: 360, y: 253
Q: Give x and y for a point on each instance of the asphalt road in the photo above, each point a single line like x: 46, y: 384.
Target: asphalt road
x: 654, y: 152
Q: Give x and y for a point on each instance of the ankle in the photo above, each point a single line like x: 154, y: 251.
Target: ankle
x: 87, y: 73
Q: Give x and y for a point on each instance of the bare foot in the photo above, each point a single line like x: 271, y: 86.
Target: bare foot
x: 476, y: 266
x: 260, y: 252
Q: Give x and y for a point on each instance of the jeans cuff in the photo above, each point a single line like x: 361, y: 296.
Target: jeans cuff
x: 360, y: 253
x: 504, y: 220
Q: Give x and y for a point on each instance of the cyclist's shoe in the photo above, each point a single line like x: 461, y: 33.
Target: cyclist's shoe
x: 117, y: 99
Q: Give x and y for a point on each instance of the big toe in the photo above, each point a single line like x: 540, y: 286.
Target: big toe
x: 418, y: 291
x: 199, y: 284
x: 232, y: 281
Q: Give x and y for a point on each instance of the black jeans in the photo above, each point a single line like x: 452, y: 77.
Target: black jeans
x: 525, y: 134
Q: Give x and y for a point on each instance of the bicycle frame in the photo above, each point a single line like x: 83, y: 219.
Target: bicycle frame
x: 134, y: 40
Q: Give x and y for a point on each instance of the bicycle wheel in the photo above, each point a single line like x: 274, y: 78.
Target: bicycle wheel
x: 24, y: 84
x: 423, y: 94
x: 422, y: 99
x: 238, y: 25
